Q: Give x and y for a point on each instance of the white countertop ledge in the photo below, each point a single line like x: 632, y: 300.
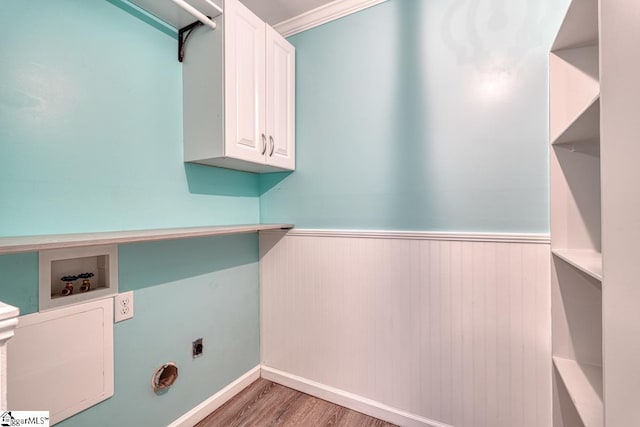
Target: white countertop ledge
x: 18, y: 244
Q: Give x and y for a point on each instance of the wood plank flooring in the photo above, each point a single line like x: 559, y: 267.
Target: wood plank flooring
x: 264, y: 403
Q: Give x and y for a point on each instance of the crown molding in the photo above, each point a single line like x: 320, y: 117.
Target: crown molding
x: 323, y: 14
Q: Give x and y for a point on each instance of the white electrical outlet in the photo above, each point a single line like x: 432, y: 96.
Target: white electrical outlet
x: 124, y: 306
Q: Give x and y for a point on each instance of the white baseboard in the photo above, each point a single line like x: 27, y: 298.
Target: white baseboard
x: 200, y: 412
x: 348, y: 400
x: 321, y: 391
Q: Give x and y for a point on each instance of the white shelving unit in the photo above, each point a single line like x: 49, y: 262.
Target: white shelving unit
x: 577, y: 270
x: 594, y: 66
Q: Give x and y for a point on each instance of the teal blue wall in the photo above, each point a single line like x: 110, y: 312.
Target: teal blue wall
x: 19, y: 281
x: 91, y: 140
x: 91, y: 127
x: 410, y: 115
x: 183, y: 290
x: 422, y: 115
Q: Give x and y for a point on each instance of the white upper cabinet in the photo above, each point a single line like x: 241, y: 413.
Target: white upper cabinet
x: 238, y: 84
x: 239, y: 92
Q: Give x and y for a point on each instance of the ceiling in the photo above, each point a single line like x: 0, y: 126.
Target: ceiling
x: 276, y: 11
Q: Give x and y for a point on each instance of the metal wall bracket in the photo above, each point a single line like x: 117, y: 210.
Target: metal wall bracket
x: 183, y: 36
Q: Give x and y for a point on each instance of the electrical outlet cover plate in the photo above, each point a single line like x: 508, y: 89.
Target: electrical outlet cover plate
x: 124, y: 306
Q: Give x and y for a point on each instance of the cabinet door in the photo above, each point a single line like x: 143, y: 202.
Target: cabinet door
x: 245, y: 136
x: 280, y: 74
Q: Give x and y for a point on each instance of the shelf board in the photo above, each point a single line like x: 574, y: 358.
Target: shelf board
x: 18, y: 244
x: 584, y: 384
x: 587, y: 261
x: 172, y: 14
x: 579, y: 27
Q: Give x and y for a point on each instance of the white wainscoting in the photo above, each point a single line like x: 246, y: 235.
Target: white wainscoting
x: 456, y: 331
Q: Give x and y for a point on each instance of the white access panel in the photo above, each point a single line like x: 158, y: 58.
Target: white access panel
x: 61, y: 360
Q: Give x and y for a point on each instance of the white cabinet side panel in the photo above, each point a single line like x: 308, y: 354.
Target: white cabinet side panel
x: 620, y: 127
x: 203, y: 94
x: 62, y: 360
x: 457, y: 332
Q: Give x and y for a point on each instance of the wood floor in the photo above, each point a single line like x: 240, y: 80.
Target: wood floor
x: 264, y: 403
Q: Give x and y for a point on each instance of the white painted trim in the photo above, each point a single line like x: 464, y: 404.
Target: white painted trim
x: 420, y: 235
x: 323, y: 14
x: 8, y: 323
x: 348, y: 400
x: 200, y: 412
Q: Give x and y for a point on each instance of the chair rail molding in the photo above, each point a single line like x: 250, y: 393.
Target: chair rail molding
x: 8, y: 323
x: 420, y: 235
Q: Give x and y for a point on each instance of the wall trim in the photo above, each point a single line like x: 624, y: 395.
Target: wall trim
x: 421, y: 235
x: 8, y: 323
x: 200, y: 412
x: 323, y: 14
x: 348, y: 400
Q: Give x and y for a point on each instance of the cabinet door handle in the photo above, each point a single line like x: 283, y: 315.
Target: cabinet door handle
x: 264, y: 144
x: 273, y: 145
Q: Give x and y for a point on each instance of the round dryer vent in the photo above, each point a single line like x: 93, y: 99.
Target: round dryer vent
x: 164, y: 377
